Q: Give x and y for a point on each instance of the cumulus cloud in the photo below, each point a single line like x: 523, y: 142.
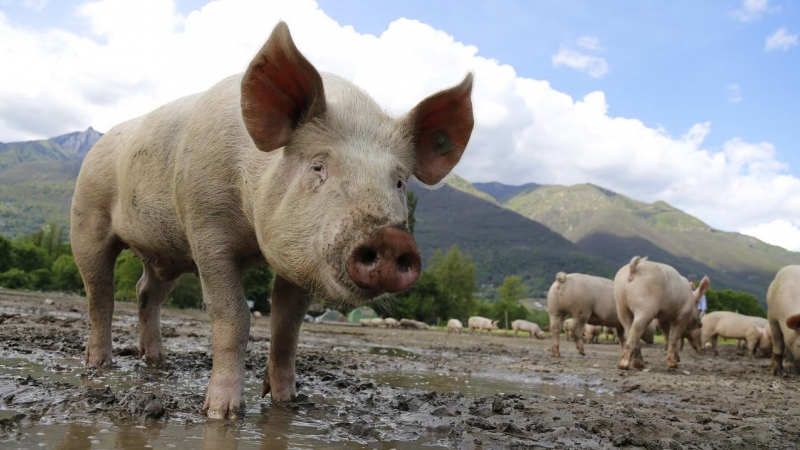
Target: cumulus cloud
x: 778, y: 232
x: 734, y: 93
x: 55, y: 81
x: 595, y: 66
x: 780, y: 40
x: 752, y: 10
x: 589, y: 43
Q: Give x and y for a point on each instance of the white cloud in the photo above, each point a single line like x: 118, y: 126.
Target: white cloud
x: 778, y: 232
x: 595, y: 66
x: 752, y: 10
x: 734, y: 93
x: 36, y: 5
x: 781, y: 40
x: 589, y: 43
x: 55, y: 81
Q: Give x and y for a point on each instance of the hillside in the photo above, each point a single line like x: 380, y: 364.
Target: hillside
x: 502, y: 192
x: 500, y: 242
x: 616, y: 227
x: 37, y: 179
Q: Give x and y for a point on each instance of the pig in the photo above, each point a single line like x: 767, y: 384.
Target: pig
x: 256, y: 314
x: 481, y: 323
x: 783, y: 313
x: 529, y: 327
x: 569, y: 324
x: 649, y: 335
x: 377, y: 322
x: 365, y: 322
x: 280, y: 165
x: 646, y: 290
x: 588, y: 299
x: 591, y: 333
x: 731, y: 325
x: 413, y: 324
x: 454, y: 326
x: 610, y: 334
x: 391, y: 322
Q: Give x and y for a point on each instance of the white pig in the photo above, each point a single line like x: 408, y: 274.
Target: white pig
x: 731, y: 325
x: 454, y: 326
x: 591, y: 333
x: 280, y: 165
x: 391, y: 322
x: 646, y: 290
x: 528, y: 327
x: 377, y: 322
x: 588, y: 299
x: 481, y: 323
x: 783, y: 313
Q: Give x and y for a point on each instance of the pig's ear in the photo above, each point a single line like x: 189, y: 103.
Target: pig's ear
x: 793, y: 322
x: 701, y: 290
x: 280, y: 90
x: 441, y: 126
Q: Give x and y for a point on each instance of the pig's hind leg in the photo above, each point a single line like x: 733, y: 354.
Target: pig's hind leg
x: 632, y: 353
x: 150, y: 294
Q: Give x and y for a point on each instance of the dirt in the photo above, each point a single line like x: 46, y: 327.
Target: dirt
x: 376, y: 388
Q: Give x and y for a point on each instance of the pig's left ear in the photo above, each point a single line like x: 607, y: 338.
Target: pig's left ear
x: 793, y: 322
x: 441, y: 125
x: 280, y: 90
x: 704, y: 285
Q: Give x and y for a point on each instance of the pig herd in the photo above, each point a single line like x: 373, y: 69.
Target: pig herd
x: 645, y: 294
x: 303, y: 171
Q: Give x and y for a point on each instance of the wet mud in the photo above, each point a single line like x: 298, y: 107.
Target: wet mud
x: 375, y: 388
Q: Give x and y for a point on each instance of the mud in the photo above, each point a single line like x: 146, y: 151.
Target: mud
x: 375, y: 388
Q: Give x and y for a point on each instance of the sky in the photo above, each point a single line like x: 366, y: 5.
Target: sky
x: 693, y: 103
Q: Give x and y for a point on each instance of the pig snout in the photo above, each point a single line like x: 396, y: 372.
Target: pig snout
x: 387, y: 261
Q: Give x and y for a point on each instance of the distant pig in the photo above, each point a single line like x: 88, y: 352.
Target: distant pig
x: 413, y: 324
x: 646, y: 290
x: 528, y: 327
x: 588, y: 299
x: 481, y: 323
x: 365, y: 322
x: 783, y: 312
x: 591, y: 333
x: 280, y: 165
x: 391, y: 322
x: 454, y: 326
x: 731, y: 325
x: 569, y: 326
x: 377, y: 322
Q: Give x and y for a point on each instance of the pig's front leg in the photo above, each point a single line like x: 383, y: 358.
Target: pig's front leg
x: 289, y: 306
x: 230, y: 328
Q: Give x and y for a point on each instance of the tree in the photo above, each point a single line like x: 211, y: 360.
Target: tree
x: 741, y: 302
x: 15, y: 279
x: 187, y: 293
x: 508, y: 295
x: 257, y: 284
x: 6, y: 254
x: 65, y: 274
x: 127, y: 272
x: 454, y: 273
x: 418, y: 303
x: 412, y: 198
x: 28, y: 257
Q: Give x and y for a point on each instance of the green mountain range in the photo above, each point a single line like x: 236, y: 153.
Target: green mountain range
x: 616, y: 227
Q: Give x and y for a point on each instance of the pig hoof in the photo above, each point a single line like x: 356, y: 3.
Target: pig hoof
x: 554, y: 351
x: 98, y: 357
x: 638, y: 365
x: 153, y: 357
x: 224, y: 407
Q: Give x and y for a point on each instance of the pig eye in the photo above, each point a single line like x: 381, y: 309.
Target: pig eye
x: 441, y: 143
x: 401, y: 184
x: 317, y: 167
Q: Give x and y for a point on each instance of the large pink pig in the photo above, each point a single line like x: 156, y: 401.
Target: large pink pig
x: 281, y: 164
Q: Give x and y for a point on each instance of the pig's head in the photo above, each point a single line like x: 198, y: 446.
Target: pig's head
x: 330, y: 209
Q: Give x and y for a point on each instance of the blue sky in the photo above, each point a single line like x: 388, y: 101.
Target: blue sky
x: 691, y: 102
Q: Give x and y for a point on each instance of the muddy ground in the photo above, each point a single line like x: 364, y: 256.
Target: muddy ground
x: 375, y: 388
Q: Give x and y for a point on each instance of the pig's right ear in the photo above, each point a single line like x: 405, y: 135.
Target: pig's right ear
x: 793, y: 322
x: 280, y: 90
x: 442, y: 125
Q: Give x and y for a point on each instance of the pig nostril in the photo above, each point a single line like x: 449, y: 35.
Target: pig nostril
x: 404, y: 263
x: 366, y: 256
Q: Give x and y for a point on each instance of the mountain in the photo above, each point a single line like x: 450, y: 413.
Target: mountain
x: 500, y: 241
x: 616, y: 227
x: 37, y: 179
x: 502, y: 192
